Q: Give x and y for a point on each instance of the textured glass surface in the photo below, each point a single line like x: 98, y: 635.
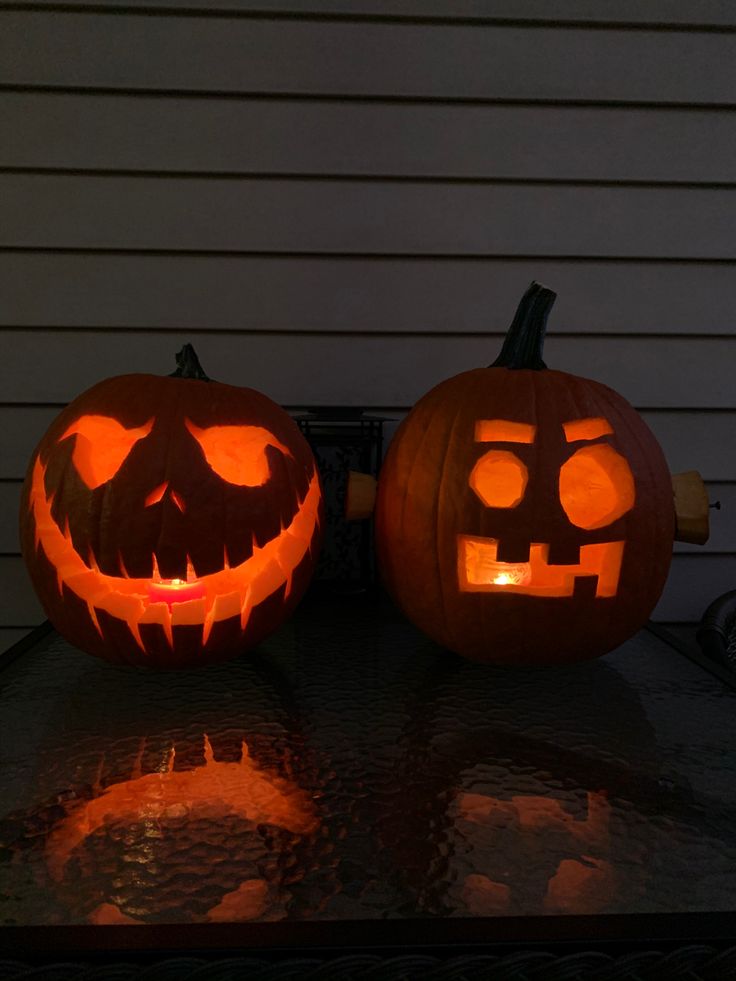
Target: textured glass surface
x: 352, y: 770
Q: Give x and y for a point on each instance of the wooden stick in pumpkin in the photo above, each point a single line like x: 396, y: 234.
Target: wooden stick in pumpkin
x: 692, y: 508
x: 360, y: 495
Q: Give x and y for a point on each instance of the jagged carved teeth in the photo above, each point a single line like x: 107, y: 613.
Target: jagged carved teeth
x: 189, y: 600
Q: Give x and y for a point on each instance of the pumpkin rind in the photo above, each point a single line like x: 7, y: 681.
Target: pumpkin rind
x: 425, y: 505
x: 167, y: 515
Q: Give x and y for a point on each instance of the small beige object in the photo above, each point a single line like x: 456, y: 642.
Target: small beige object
x: 360, y: 496
x: 691, y: 508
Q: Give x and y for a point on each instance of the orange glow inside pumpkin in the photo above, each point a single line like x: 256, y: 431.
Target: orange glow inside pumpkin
x: 479, y: 570
x: 191, y: 601
x: 156, y: 494
x: 586, y: 429
x: 596, y: 486
x: 504, y: 431
x: 240, y: 788
x: 237, y: 453
x: 172, y: 591
x: 499, y: 479
x: 101, y: 446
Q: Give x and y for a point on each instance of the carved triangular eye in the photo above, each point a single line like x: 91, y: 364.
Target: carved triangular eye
x: 101, y: 446
x: 237, y: 453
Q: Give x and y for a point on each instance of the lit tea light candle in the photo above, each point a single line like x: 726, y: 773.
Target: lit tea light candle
x: 175, y: 591
x: 510, y: 575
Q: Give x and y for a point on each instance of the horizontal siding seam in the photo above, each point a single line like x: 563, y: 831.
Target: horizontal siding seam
x: 341, y: 334
x: 363, y: 98
x: 362, y: 178
x: 11, y: 249
x: 429, y: 20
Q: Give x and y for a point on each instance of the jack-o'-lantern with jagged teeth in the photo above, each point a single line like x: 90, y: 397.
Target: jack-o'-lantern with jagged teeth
x: 170, y: 521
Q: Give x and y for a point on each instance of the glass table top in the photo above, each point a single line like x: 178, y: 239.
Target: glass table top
x: 350, y: 770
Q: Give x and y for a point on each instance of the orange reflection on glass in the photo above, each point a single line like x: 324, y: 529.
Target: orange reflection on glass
x: 241, y: 788
x: 585, y: 883
x: 596, y: 486
x: 499, y: 479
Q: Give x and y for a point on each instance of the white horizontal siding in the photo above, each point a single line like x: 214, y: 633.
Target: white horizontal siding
x: 10, y: 491
x: 18, y: 604
x: 692, y: 585
x: 119, y: 132
x: 210, y: 293
x: 358, y: 217
x: 384, y: 370
x: 331, y: 58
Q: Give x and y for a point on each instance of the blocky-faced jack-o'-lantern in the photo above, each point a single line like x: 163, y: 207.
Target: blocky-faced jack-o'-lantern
x: 170, y: 521
x: 525, y: 515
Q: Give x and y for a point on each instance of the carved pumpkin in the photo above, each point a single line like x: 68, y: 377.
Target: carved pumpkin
x: 525, y: 515
x: 170, y: 521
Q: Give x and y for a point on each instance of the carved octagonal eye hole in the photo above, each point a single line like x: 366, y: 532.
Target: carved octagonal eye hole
x: 237, y: 453
x: 101, y: 446
x: 499, y: 479
x: 596, y: 486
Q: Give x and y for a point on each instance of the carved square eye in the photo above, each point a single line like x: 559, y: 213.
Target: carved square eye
x: 237, y: 453
x: 101, y: 446
x: 499, y: 479
x: 596, y: 486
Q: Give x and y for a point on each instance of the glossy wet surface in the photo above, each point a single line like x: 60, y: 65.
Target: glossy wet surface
x: 353, y: 770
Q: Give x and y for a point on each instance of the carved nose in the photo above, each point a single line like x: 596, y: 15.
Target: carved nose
x: 157, y: 494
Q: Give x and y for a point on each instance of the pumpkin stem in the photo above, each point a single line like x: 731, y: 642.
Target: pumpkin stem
x: 524, y: 342
x: 188, y: 366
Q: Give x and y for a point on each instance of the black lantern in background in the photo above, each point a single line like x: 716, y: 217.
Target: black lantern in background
x: 343, y: 438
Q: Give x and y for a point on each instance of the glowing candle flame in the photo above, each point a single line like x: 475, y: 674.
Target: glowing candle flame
x: 175, y: 591
x: 506, y: 574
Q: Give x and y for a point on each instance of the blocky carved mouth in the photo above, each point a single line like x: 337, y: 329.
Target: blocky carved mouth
x: 233, y: 591
x: 479, y: 571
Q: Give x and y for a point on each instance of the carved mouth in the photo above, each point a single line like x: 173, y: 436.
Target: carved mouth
x: 479, y: 570
x: 233, y: 591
